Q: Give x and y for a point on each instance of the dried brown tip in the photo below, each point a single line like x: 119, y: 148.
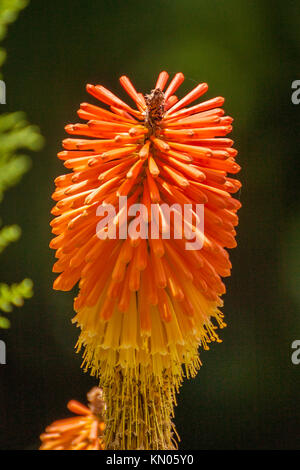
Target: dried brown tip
x: 155, y: 102
x: 96, y: 401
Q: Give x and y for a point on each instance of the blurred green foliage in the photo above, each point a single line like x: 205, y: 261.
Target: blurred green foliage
x: 16, y: 135
x: 9, y: 10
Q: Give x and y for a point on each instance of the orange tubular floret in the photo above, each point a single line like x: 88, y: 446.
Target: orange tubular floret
x: 170, y: 102
x: 174, y: 85
x: 78, y: 408
x: 198, y: 91
x: 201, y: 107
x: 109, y: 98
x: 104, y: 114
x: 162, y: 80
x: 153, y: 168
x: 127, y: 85
x: 152, y: 187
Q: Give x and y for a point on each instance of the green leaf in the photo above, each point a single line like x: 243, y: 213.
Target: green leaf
x: 4, y: 322
x: 17, y: 137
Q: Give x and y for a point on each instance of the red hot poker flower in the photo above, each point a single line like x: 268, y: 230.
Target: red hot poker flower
x: 146, y: 303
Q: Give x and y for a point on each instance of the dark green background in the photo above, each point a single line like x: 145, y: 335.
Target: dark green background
x: 247, y: 392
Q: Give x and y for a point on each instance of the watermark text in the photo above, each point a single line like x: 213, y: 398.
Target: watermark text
x: 157, y: 221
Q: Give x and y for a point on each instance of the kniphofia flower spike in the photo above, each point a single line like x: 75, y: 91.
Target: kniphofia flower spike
x: 82, y: 432
x: 145, y: 305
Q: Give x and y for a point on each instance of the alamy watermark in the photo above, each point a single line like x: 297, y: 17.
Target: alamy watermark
x: 2, y: 352
x: 2, y: 92
x: 187, y: 222
x: 296, y: 94
x: 295, y: 357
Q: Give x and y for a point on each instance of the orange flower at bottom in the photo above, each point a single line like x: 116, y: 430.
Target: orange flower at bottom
x: 82, y: 432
